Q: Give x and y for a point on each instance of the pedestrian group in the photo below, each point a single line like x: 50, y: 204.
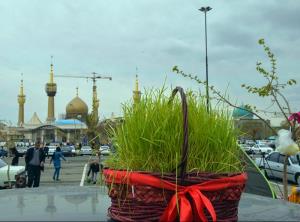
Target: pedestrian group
x: 35, y: 161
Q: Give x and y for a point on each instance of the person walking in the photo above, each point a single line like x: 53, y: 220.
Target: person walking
x: 16, y: 155
x: 94, y: 168
x: 34, y: 159
x: 57, y: 155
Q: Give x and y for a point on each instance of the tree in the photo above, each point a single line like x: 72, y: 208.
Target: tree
x: 273, y: 87
x: 92, y: 134
x: 106, y: 128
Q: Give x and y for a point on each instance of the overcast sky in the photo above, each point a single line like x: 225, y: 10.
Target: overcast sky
x: 114, y: 37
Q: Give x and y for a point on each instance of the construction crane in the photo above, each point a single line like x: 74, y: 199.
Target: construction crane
x: 94, y: 78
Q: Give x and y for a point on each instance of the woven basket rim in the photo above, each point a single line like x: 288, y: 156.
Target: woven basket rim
x: 197, y: 172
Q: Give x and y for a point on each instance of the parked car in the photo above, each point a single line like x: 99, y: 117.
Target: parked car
x: 16, y: 173
x: 250, y: 142
x: 22, y: 150
x: 273, y: 166
x: 104, y: 150
x: 259, y: 148
x: 262, y: 142
x: 54, y: 144
x: 51, y: 150
x: 3, y: 152
x: 86, y: 150
x: 67, y: 151
x: 247, y: 148
x: 73, y: 150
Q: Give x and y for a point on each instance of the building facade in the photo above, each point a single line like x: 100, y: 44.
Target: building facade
x: 249, y: 127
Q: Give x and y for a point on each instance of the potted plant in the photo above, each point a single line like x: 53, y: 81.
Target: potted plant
x: 174, y: 160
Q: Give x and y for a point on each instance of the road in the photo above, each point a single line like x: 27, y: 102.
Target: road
x: 278, y: 186
x: 71, y: 172
x: 276, y: 183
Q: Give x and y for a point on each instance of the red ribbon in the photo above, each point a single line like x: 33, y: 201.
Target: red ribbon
x: 200, y: 201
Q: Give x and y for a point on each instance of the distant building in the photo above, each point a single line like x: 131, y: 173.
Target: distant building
x: 69, y: 127
x: 249, y: 127
x: 72, y: 128
x: 136, y: 92
x: 63, y: 130
x: 77, y: 109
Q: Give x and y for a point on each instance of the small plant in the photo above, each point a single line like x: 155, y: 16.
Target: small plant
x: 151, y: 136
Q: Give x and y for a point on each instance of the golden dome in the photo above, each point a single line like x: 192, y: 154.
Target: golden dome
x: 76, y: 107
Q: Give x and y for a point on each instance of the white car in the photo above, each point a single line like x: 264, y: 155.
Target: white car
x: 22, y: 150
x: 51, y: 150
x: 273, y: 166
x: 260, y: 149
x: 246, y: 147
x: 73, y: 150
x: 16, y: 173
x: 86, y: 150
x: 104, y: 150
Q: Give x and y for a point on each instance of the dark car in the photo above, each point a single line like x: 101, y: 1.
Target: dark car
x: 3, y: 152
x: 67, y: 151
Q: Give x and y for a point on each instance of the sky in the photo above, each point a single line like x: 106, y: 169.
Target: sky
x: 115, y: 37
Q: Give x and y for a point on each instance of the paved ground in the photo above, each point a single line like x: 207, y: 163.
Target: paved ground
x: 71, y: 171
x: 70, y: 174
x: 278, y: 186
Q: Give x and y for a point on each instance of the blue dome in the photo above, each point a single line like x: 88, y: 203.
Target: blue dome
x: 67, y: 122
x: 241, y: 113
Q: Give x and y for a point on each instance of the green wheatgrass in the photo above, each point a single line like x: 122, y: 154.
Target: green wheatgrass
x: 151, y: 137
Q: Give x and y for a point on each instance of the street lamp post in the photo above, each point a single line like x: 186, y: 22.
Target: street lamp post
x: 205, y: 10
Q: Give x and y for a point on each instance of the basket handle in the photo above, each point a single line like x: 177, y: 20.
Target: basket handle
x: 185, y: 145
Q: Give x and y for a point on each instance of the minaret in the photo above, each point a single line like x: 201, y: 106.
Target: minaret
x: 136, y: 92
x: 21, y: 101
x: 51, y: 91
x: 95, y: 100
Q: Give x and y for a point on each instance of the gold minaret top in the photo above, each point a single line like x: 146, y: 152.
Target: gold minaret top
x: 136, y: 92
x: 51, y: 92
x: 21, y: 101
x: 51, y: 74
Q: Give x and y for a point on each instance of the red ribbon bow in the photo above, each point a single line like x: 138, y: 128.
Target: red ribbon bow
x: 200, y: 201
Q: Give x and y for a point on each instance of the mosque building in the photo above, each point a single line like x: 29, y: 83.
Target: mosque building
x: 136, y: 92
x: 77, y: 109
x: 72, y: 128
x: 249, y: 127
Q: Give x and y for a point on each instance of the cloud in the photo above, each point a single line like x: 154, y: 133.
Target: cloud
x: 114, y: 37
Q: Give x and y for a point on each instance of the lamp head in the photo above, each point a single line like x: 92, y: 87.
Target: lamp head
x: 205, y: 9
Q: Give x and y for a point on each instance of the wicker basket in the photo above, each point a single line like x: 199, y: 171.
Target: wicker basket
x: 133, y: 199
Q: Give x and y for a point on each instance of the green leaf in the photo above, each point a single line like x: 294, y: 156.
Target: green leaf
x: 261, y: 41
x: 175, y: 69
